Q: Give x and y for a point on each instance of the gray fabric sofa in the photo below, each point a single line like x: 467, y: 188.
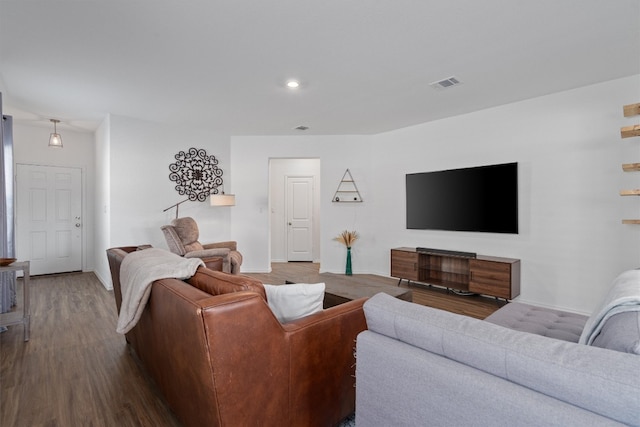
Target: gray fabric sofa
x: 420, y: 366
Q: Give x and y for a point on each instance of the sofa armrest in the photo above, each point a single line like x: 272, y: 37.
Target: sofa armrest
x: 219, y: 252
x: 231, y: 245
x: 213, y: 253
x: 114, y: 258
x: 322, y: 348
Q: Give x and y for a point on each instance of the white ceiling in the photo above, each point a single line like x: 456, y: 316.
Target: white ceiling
x: 365, y: 65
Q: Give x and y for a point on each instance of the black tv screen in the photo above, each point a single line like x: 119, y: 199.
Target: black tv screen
x: 483, y: 199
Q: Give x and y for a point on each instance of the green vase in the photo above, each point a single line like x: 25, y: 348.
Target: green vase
x: 348, y: 271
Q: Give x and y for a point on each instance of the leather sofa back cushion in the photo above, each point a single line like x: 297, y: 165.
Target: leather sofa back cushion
x: 217, y: 283
x: 620, y: 332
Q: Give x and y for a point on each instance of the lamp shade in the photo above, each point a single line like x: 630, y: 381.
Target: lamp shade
x: 55, y: 140
x: 222, y: 199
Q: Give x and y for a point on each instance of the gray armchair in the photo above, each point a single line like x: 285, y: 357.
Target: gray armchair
x: 182, y: 238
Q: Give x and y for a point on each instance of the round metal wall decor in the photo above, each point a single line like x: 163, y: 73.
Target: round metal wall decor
x: 196, y: 174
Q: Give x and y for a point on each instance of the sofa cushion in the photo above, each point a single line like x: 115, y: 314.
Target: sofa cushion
x: 623, y: 296
x: 540, y: 321
x: 604, y: 382
x: 620, y: 332
x: 293, y: 301
x: 187, y: 231
x: 217, y: 282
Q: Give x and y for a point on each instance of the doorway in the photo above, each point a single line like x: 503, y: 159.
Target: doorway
x: 49, y: 218
x: 294, y: 204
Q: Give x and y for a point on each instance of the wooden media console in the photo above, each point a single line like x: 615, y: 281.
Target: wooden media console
x: 461, y: 271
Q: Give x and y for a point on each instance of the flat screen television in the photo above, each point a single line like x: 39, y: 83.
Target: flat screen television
x: 482, y: 199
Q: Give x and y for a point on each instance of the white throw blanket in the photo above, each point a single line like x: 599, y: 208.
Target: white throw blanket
x: 138, y: 270
x: 623, y: 296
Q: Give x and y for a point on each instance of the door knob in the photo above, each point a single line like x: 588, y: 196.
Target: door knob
x: 78, y: 224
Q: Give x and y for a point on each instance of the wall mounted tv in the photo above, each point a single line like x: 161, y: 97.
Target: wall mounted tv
x: 483, y: 199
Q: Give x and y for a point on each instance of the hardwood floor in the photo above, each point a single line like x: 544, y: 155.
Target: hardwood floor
x: 473, y: 306
x: 77, y: 371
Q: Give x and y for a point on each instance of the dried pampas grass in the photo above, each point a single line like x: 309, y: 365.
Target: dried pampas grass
x: 347, y: 238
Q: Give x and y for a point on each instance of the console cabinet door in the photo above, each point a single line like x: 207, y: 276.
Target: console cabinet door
x: 491, y: 278
x: 404, y: 264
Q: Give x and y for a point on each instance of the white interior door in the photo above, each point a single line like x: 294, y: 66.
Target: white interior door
x: 48, y: 218
x: 299, y: 199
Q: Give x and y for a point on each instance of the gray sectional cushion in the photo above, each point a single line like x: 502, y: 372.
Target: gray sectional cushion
x: 399, y: 385
x: 623, y: 296
x: 540, y: 321
x: 602, y: 381
x: 620, y: 332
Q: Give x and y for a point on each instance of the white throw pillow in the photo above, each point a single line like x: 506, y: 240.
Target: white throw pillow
x: 290, y: 302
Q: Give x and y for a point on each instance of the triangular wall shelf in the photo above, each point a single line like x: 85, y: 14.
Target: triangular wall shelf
x: 347, y: 191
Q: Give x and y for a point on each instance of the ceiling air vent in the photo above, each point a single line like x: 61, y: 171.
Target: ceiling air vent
x: 446, y: 83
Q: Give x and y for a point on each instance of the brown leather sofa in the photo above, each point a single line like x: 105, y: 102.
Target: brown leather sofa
x: 220, y: 357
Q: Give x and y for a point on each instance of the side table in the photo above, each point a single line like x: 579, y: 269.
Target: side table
x: 26, y: 316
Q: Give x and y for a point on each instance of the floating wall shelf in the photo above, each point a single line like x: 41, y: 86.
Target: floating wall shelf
x: 631, y: 110
x: 347, y: 191
x: 629, y: 131
x: 626, y: 132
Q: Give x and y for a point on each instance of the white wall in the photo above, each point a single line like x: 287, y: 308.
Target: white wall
x: 139, y: 188
x: 571, y: 243
x: 102, y: 202
x: 30, y: 146
x: 250, y: 156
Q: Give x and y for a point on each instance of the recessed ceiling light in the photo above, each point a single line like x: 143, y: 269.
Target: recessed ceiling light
x: 293, y: 84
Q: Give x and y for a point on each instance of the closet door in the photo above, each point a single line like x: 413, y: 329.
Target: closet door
x: 299, y: 218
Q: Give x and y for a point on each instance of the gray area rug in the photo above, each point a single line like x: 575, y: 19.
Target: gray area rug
x: 350, y: 421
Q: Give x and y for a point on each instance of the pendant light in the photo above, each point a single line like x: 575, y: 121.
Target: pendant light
x: 55, y: 140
